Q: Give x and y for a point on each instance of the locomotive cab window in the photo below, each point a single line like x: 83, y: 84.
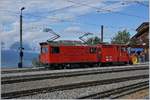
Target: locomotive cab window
x: 44, y: 50
x: 123, y: 49
x: 55, y: 50
x: 92, y: 50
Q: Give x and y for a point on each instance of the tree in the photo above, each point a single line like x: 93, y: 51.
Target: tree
x: 93, y: 41
x: 134, y: 42
x: 122, y: 37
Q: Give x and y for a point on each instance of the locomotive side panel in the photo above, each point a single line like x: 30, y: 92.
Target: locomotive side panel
x: 72, y: 54
x: 123, y: 55
x: 108, y: 53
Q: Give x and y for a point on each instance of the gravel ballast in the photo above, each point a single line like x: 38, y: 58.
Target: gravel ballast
x: 66, y: 71
x: 79, y: 92
x: 67, y: 80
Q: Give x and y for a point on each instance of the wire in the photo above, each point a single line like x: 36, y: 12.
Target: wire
x: 101, y: 9
x: 120, y: 27
x: 90, y: 24
x: 86, y: 23
x: 140, y: 3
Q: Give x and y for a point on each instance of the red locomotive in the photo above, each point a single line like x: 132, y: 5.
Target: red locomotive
x: 61, y: 56
x: 111, y: 53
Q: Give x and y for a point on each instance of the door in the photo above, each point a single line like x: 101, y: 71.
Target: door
x: 99, y: 54
x: 44, y: 54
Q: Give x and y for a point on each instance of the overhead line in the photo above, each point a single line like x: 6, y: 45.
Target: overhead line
x: 98, y: 9
x: 79, y: 15
x: 140, y: 3
x: 92, y: 24
x: 85, y: 23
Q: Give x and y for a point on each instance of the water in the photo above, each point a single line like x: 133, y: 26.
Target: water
x: 10, y: 58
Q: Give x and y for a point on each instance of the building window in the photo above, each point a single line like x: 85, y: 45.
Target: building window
x: 92, y: 50
x: 55, y: 50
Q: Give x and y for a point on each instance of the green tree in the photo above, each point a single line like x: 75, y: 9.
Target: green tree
x: 93, y: 41
x: 122, y: 37
x: 134, y: 42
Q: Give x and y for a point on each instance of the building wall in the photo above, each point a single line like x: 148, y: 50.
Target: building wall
x: 142, y: 38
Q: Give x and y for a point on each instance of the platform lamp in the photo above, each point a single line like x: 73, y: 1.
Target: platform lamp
x: 20, y: 64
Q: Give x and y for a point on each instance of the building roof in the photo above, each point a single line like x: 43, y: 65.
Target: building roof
x: 141, y: 29
x: 143, y: 25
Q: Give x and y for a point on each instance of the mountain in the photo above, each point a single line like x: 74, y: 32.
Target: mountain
x: 16, y: 45
x: 10, y: 58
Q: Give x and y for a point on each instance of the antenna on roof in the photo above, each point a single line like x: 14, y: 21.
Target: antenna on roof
x: 85, y: 35
x: 55, y: 36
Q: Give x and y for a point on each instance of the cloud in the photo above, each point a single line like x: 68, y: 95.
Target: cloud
x: 117, y: 6
x: 40, y: 14
x: 72, y: 29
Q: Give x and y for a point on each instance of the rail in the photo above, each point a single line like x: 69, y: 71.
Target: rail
x: 118, y: 92
x: 31, y: 77
x: 17, y: 94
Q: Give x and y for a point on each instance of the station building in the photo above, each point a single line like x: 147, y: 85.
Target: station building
x: 142, y: 38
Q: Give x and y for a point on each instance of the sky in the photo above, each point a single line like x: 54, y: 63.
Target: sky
x: 69, y: 18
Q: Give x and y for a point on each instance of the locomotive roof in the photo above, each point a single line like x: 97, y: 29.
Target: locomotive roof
x: 58, y: 43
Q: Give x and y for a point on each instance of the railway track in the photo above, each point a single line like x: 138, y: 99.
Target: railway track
x: 47, y: 75
x: 17, y: 94
x: 17, y: 70
x: 118, y: 92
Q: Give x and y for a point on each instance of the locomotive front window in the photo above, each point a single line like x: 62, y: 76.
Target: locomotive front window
x: 55, y: 50
x: 92, y: 50
x: 44, y: 50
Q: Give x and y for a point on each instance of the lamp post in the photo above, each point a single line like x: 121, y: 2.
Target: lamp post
x: 21, y: 47
x: 102, y: 33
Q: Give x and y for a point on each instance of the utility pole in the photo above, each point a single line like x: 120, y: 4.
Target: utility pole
x: 102, y: 33
x: 2, y: 45
x: 20, y: 64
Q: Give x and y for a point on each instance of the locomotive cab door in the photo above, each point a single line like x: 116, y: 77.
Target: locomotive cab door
x: 123, y: 54
x: 99, y: 54
x: 44, y: 54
